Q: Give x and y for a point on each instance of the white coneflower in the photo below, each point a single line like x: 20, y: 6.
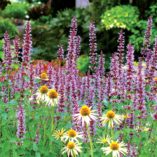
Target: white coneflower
x: 43, y: 76
x: 116, y: 148
x: 85, y: 115
x: 58, y: 134
x: 72, y: 149
x: 42, y: 93
x: 52, y: 98
x: 72, y: 135
x: 111, y: 118
x: 104, y: 140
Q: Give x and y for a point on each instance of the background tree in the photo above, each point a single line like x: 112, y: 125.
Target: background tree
x: 58, y: 5
x: 4, y: 3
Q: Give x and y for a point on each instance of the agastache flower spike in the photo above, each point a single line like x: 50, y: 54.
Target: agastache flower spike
x: 121, y: 49
x: 7, y: 53
x: 146, y: 43
x: 71, y: 58
x: 75, y: 107
x: 146, y: 51
x: 93, y: 47
x: 90, y: 92
x: 153, y: 65
x: 130, y: 70
x: 115, y: 72
x: 108, y: 87
x: 73, y: 30
x: 50, y: 75
x: 21, y: 128
x: 101, y: 65
x: 73, y: 33
x: 141, y: 91
x: 78, y: 45
x: 60, y: 53
x: 101, y: 96
x: 27, y: 45
x: 57, y: 79
x: 61, y: 90
x: 123, y: 85
x: 82, y: 88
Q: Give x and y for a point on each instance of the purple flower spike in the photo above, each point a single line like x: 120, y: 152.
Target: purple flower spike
x: 7, y: 52
x: 130, y: 70
x: 146, y: 43
x: 27, y: 45
x: 60, y: 53
x: 93, y: 47
x: 21, y: 129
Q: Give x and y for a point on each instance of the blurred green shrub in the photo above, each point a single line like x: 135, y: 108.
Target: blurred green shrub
x: 138, y: 32
x: 7, y: 25
x: 44, y: 42
x: 152, y: 12
x: 83, y: 63
x: 97, y: 6
x: 37, y: 10
x: 127, y: 18
x: 124, y: 16
x: 51, y: 32
x: 15, y: 10
x: 4, y: 3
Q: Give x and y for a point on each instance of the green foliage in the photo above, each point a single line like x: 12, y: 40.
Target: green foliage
x: 46, y: 31
x: 1, y: 50
x: 16, y: 10
x: 83, y: 63
x: 4, y: 3
x: 37, y: 10
x: 138, y: 32
x: 97, y: 6
x: 42, y: 41
x: 153, y: 12
x: 47, y: 146
x: 6, y: 25
x: 120, y: 17
x: 127, y: 17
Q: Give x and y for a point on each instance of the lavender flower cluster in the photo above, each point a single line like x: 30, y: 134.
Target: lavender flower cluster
x: 125, y: 83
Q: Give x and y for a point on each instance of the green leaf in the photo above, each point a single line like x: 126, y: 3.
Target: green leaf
x: 35, y: 147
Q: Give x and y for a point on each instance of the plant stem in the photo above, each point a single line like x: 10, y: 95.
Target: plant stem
x: 112, y: 132
x: 150, y: 133
x: 90, y: 140
x: 52, y: 122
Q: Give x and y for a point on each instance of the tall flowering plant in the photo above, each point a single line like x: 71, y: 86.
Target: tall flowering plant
x: 21, y: 128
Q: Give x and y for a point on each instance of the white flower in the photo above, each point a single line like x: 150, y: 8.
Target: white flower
x: 104, y: 140
x: 72, y: 149
x: 85, y: 115
x: 116, y: 148
x: 41, y: 94
x: 52, y: 98
x: 72, y: 135
x: 59, y: 133
x: 43, y: 76
x: 111, y: 118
